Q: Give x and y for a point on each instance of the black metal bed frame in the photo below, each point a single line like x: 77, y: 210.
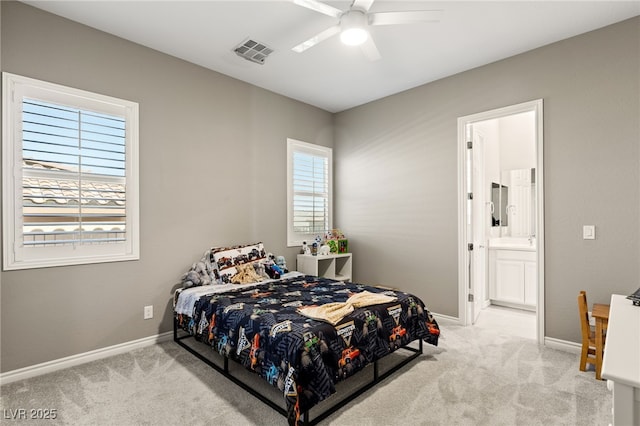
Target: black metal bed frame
x: 224, y: 370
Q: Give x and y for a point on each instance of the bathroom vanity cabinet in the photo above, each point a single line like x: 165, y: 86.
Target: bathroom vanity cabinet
x: 513, y: 277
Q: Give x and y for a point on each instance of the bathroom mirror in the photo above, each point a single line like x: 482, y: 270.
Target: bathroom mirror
x: 517, y: 204
x: 500, y: 201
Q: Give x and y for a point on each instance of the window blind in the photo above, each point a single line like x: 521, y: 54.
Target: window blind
x: 73, y: 175
x: 310, y: 193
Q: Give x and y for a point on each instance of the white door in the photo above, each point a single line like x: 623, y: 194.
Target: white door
x: 480, y: 224
x: 475, y: 223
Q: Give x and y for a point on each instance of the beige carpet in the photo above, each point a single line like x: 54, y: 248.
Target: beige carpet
x: 475, y: 377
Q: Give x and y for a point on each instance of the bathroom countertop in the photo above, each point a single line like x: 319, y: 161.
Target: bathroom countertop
x: 512, y: 244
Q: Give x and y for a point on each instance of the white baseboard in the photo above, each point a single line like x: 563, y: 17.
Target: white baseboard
x: 73, y: 360
x: 446, y: 319
x: 563, y: 345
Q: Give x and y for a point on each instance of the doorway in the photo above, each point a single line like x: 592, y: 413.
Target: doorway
x: 500, y: 213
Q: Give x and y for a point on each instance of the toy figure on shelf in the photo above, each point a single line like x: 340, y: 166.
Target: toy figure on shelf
x: 305, y: 248
x: 315, y: 247
x: 337, y: 242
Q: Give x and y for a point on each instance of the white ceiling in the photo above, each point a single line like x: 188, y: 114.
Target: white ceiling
x: 330, y: 75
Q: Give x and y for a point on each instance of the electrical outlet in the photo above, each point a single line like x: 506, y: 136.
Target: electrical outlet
x: 589, y: 232
x: 148, y: 312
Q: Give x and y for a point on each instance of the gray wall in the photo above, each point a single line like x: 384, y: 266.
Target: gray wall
x: 212, y: 172
x: 397, y: 172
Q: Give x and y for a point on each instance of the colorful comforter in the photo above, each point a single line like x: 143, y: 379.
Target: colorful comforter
x: 260, y: 327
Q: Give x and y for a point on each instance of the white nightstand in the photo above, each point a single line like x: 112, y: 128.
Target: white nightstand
x: 336, y: 266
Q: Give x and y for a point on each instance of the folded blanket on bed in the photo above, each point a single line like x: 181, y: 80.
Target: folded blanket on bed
x: 334, y: 312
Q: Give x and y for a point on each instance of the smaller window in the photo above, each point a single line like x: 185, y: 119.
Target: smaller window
x: 309, y: 191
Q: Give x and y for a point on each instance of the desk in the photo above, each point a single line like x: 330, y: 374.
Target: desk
x: 621, y: 360
x: 601, y: 314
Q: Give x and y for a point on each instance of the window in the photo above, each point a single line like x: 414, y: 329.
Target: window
x: 309, y: 199
x: 70, y: 176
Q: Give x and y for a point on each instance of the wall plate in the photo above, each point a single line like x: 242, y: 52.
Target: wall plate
x: 589, y: 232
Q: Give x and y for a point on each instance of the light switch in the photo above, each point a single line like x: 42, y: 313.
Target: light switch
x: 589, y: 232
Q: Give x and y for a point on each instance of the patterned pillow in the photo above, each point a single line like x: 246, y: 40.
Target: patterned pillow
x: 224, y: 260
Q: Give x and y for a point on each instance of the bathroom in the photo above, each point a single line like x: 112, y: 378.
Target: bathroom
x: 506, y: 223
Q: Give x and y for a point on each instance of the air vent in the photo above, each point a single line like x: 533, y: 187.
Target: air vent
x: 253, y: 51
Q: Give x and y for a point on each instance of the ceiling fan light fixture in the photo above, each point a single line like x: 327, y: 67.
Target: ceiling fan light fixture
x: 354, y: 36
x: 355, y: 22
x: 354, y: 28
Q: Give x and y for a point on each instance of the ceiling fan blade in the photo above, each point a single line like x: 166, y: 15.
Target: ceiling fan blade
x: 408, y: 17
x: 363, y: 5
x: 370, y: 50
x: 319, y: 7
x: 329, y: 32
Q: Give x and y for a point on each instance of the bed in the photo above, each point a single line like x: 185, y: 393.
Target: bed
x: 302, y: 334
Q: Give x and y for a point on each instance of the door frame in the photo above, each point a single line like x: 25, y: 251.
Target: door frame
x: 463, y: 253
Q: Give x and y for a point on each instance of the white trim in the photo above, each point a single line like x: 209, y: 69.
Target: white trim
x: 562, y: 345
x: 551, y: 342
x: 540, y: 230
x: 463, y: 278
x: 446, y: 319
x: 83, y: 358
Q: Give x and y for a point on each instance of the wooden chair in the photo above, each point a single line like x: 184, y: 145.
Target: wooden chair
x: 588, y: 337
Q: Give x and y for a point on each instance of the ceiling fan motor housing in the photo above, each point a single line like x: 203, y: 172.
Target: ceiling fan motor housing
x: 354, y: 27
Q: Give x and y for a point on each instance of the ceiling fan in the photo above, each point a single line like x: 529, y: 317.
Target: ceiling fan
x: 353, y: 24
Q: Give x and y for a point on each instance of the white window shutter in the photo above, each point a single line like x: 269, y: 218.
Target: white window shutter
x: 309, y: 191
x: 73, y: 196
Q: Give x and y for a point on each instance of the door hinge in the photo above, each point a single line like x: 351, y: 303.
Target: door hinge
x: 470, y: 297
x: 470, y: 246
x: 470, y: 196
x: 469, y: 145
